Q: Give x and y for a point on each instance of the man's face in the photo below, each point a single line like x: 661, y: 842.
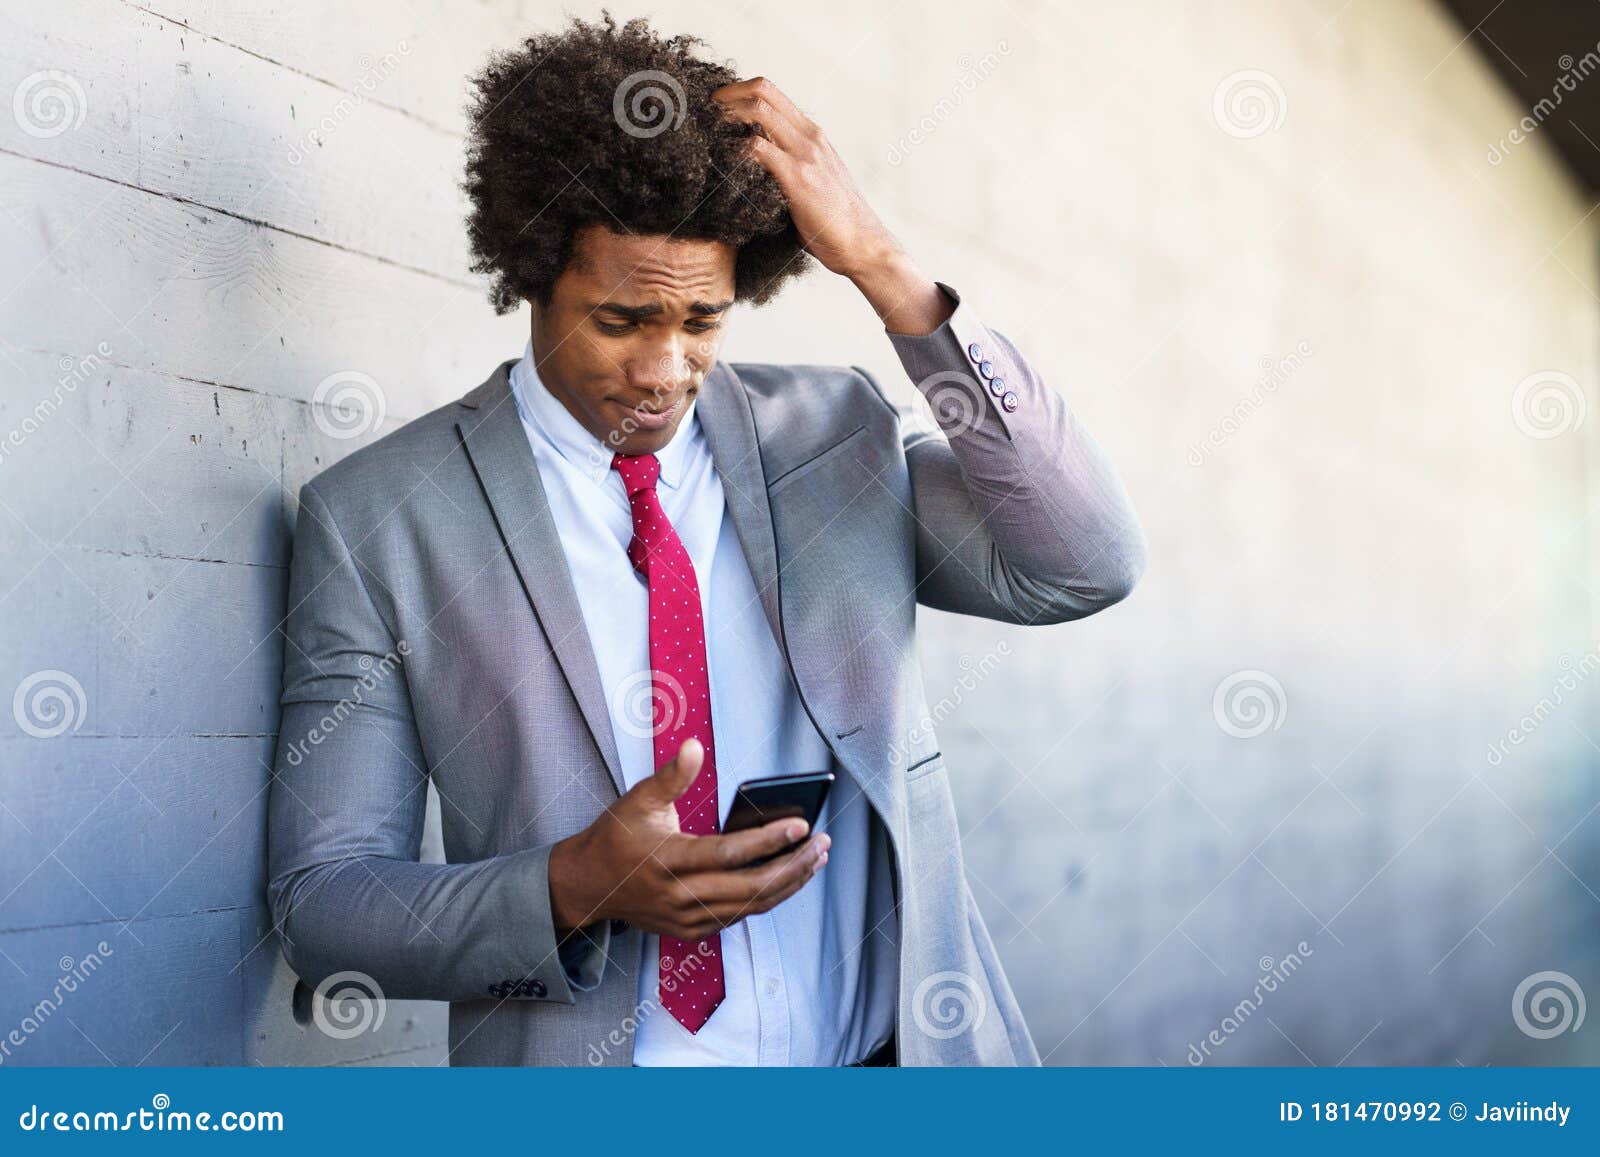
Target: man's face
x: 633, y: 325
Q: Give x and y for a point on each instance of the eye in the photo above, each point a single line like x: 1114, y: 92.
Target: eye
x: 700, y: 326
x: 615, y: 329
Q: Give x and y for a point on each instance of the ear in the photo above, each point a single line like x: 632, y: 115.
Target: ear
x: 539, y: 324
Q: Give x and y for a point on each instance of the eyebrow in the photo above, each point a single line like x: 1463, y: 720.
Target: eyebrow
x: 641, y: 312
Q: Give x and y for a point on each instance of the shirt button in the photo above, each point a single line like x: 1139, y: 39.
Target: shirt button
x: 772, y: 986
x: 1009, y: 401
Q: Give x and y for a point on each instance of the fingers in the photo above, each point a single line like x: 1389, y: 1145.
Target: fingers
x: 759, y: 101
x: 757, y: 110
x: 702, y: 904
x: 764, y: 885
x: 724, y: 853
x: 762, y: 88
x: 673, y: 778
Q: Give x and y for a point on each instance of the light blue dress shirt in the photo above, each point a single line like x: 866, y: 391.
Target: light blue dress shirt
x: 802, y: 986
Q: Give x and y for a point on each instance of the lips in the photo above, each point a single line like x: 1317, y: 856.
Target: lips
x: 651, y: 419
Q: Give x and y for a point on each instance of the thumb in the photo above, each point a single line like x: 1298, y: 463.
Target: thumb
x: 673, y: 778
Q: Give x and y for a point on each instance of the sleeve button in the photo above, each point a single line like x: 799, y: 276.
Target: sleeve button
x: 1009, y: 401
x: 975, y: 352
x: 997, y: 387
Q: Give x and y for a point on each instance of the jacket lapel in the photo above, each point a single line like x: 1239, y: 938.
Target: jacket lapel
x: 723, y: 409
x: 495, y: 442
x: 729, y: 423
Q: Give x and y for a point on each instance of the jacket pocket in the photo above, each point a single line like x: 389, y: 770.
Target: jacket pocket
x: 814, y: 461
x: 927, y: 765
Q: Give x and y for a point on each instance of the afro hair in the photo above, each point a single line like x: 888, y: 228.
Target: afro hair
x: 613, y: 126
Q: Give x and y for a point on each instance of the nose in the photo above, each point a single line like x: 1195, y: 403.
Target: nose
x: 667, y: 369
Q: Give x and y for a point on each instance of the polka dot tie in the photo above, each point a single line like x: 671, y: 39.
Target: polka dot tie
x: 689, y: 977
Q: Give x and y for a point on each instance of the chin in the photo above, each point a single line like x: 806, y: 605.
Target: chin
x: 639, y: 442
x: 629, y: 439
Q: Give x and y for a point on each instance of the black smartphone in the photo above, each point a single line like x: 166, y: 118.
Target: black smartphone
x: 778, y: 797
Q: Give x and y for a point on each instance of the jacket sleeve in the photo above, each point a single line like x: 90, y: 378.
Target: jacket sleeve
x: 346, y: 889
x: 1019, y: 514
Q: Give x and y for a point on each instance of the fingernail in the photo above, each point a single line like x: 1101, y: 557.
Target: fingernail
x: 824, y: 841
x: 822, y: 859
x: 795, y: 831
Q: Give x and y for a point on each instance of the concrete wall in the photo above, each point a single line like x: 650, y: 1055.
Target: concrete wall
x: 1262, y: 251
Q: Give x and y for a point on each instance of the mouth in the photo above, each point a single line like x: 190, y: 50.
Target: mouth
x: 652, y: 419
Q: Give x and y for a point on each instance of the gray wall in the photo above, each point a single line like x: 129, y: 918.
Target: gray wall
x: 1299, y: 323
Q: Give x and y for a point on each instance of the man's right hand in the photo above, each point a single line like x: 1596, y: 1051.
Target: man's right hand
x: 634, y: 864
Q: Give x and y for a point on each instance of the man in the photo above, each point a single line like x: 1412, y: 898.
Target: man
x: 620, y: 577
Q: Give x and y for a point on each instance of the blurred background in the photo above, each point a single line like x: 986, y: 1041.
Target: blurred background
x: 1320, y: 276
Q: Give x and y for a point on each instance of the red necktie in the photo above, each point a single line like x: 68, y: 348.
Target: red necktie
x: 689, y: 979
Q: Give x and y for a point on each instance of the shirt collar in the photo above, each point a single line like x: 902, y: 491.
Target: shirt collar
x: 543, y: 412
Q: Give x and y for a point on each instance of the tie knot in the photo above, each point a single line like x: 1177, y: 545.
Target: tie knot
x: 639, y: 471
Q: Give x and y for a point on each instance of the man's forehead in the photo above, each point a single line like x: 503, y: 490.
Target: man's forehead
x: 647, y: 258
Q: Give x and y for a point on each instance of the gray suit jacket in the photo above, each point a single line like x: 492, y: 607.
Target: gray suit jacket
x: 434, y: 634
